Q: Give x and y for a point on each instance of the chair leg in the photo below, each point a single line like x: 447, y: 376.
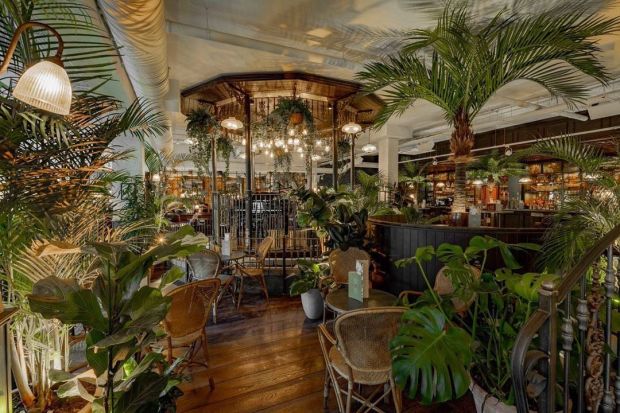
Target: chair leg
x: 240, y: 293
x: 205, y: 346
x: 326, y: 389
x: 264, y: 284
x: 349, y: 395
x: 396, y: 395
x: 169, y: 350
x: 215, y: 311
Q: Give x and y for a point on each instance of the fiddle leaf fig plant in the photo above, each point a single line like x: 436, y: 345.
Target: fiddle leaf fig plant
x: 121, y: 315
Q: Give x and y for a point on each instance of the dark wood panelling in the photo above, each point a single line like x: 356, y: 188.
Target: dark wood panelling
x: 400, y: 240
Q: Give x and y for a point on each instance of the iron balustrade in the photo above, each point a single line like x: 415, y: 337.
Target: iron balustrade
x: 273, y: 215
x: 573, y: 338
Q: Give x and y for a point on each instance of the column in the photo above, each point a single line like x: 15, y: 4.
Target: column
x: 388, y: 158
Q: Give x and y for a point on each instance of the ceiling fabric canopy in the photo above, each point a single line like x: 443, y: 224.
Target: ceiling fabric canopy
x: 139, y: 28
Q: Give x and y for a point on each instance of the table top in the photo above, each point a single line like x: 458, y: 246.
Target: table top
x: 340, y: 302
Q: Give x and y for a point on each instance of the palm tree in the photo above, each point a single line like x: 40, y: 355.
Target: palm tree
x: 459, y: 65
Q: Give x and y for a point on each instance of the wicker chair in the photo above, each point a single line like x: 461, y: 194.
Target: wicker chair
x: 255, y: 269
x: 359, y: 354
x: 186, y: 321
x: 207, y: 264
x: 340, y: 264
x: 442, y: 286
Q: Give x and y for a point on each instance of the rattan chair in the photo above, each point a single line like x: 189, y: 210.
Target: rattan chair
x: 208, y: 264
x: 340, y: 264
x: 442, y: 286
x: 186, y: 321
x: 359, y: 354
x: 254, y: 268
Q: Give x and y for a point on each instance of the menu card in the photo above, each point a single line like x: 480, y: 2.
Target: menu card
x: 356, y: 286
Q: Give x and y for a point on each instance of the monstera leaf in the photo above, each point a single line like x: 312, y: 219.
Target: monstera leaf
x: 429, y: 358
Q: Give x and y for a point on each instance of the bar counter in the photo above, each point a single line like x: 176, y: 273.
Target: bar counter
x: 398, y: 239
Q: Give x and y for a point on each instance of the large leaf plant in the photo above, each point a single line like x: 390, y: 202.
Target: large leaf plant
x: 442, y: 344
x: 121, y: 315
x: 461, y: 63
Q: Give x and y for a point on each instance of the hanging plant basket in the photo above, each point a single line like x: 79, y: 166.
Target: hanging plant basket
x: 296, y: 118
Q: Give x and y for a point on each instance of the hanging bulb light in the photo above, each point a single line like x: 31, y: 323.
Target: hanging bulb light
x: 296, y: 141
x: 315, y: 157
x: 508, y: 151
x: 46, y: 84
x: 289, y: 141
x: 351, y: 128
x: 327, y: 148
x: 369, y: 148
x: 291, y: 132
x: 231, y: 123
x: 477, y: 182
x: 156, y: 177
x: 434, y: 161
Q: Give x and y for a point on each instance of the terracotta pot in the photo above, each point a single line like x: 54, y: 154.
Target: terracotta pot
x: 296, y: 118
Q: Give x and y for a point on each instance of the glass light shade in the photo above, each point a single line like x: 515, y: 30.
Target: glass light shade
x: 369, y: 148
x: 508, y: 151
x: 231, y: 123
x: 45, y: 86
x: 477, y: 182
x: 525, y: 180
x: 351, y: 127
x: 156, y: 178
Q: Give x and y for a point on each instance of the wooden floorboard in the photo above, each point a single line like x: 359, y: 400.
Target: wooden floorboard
x: 265, y: 359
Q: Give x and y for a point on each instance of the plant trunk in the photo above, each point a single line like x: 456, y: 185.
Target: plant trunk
x: 461, y: 143
x: 20, y: 374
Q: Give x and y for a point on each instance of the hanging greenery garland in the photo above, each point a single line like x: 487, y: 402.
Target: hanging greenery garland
x: 201, y: 128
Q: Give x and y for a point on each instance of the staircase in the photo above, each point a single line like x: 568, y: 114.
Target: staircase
x: 565, y: 356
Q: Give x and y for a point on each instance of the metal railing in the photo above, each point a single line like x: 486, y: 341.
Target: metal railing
x: 273, y: 215
x: 571, y: 368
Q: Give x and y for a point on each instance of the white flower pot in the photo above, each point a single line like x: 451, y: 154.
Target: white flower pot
x: 312, y: 302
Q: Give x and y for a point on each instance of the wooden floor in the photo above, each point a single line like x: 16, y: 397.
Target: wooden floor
x: 264, y: 360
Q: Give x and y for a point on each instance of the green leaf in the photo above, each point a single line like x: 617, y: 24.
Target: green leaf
x: 145, y: 388
x: 430, y: 358
x: 64, y: 300
x: 424, y: 254
x: 173, y: 274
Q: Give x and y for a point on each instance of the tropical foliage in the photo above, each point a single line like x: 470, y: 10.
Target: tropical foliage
x: 311, y: 275
x: 584, y: 217
x: 450, y: 335
x: 459, y: 65
x: 121, y: 318
x: 202, y: 128
x: 493, y: 167
x: 55, y: 177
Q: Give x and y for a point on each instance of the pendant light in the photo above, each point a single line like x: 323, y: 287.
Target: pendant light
x: 231, y: 123
x: 44, y: 85
x: 351, y: 128
x: 369, y: 147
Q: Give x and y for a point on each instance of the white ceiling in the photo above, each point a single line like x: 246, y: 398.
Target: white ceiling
x: 208, y: 38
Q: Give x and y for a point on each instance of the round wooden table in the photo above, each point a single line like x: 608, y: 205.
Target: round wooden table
x: 339, y: 302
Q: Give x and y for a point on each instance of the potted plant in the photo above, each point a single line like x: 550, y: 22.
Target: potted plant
x: 312, y: 277
x: 504, y: 49
x: 121, y: 318
x: 439, y: 353
x: 294, y: 110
